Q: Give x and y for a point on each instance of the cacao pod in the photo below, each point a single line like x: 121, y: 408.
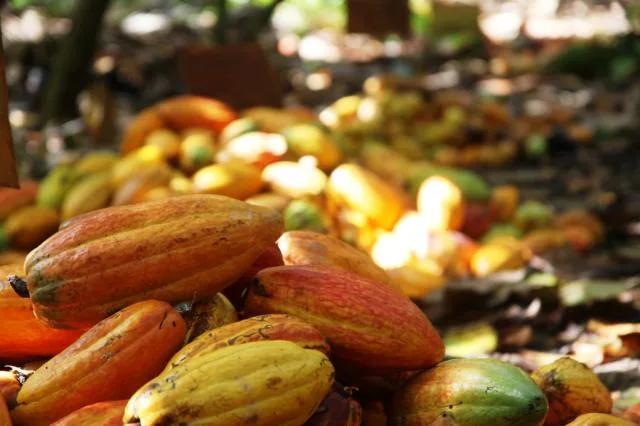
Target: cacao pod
x: 166, y: 140
x: 95, y: 162
x: 101, y: 413
x: 272, y: 383
x: 134, y: 189
x: 173, y: 249
x: 294, y: 180
x: 309, y: 139
x: 91, y: 193
x: 504, y: 201
x: 469, y: 392
x: 207, y: 314
x: 235, y: 292
x: 361, y: 190
x: 599, y: 419
x: 312, y: 248
x: 263, y: 327
x: 178, y: 113
x: 108, y: 363
x: 13, y: 199
x: 22, y: 335
x: 572, y: 389
x: 370, y: 326
x: 441, y: 204
x: 31, y: 225
x: 233, y: 179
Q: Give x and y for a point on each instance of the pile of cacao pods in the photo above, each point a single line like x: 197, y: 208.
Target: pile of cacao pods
x: 200, y: 309
x: 362, y: 171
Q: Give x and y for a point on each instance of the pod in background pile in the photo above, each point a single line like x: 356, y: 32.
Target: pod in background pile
x: 90, y: 193
x: 108, y: 363
x: 31, y: 225
x: 13, y: 199
x: 173, y: 249
x: 271, y: 383
x: 233, y: 179
x: 362, y: 191
x: 470, y: 392
x: 371, y: 328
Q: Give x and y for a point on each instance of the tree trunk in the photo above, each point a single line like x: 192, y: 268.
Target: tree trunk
x: 72, y: 62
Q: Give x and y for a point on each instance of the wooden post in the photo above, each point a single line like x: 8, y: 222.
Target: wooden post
x: 379, y: 17
x: 8, y: 165
x: 237, y: 74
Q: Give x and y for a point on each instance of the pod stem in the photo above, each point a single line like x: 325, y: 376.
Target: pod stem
x: 19, y: 285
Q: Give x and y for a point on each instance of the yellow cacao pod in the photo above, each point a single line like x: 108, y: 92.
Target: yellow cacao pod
x: 269, y: 383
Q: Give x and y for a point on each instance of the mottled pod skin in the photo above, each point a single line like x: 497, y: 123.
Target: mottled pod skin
x: 572, y: 389
x: 469, y: 392
x: 108, y: 363
x: 268, y: 383
x: 101, y: 413
x: 263, y: 327
x: 175, y: 249
x: 370, y: 327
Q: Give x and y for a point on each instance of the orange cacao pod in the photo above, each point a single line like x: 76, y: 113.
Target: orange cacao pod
x: 108, y: 363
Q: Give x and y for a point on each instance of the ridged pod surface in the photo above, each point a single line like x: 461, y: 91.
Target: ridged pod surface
x: 101, y: 413
x: 572, y: 389
x: 174, y: 249
x: 21, y: 334
x: 469, y: 392
x: 108, y: 363
x: 263, y: 327
x: 272, y: 383
x: 369, y: 326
